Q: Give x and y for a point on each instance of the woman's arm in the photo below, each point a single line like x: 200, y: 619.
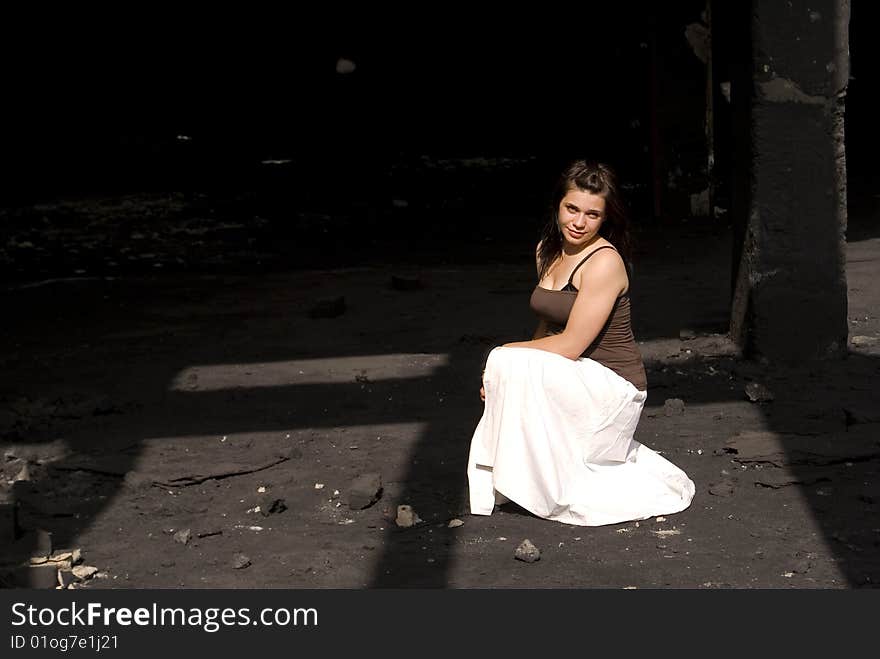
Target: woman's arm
x: 590, y: 312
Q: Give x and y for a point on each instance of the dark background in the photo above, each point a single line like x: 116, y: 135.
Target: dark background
x: 447, y: 135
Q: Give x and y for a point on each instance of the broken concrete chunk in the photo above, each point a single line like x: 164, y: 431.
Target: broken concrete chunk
x: 240, y: 561
x: 527, y: 552
x: 406, y: 516
x: 364, y: 491
x: 328, y: 307
x: 84, y: 572
x: 65, y: 578
x: 758, y: 393
x: 183, y: 536
x: 63, y: 564
x: 454, y: 523
x: 673, y: 407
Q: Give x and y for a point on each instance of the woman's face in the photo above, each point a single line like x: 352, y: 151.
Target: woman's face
x: 580, y: 215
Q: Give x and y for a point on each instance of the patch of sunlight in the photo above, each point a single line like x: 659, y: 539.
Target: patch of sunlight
x: 326, y: 370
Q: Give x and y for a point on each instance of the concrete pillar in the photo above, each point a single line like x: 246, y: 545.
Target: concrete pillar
x: 790, y: 287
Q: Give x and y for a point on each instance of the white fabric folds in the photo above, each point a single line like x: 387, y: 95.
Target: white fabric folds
x: 556, y: 437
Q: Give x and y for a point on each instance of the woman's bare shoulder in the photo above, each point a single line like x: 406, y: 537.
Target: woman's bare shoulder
x: 606, y: 264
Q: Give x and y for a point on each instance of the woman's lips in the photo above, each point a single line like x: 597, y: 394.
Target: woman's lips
x: 576, y: 234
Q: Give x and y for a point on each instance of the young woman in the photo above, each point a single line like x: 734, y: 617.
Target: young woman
x: 556, y: 435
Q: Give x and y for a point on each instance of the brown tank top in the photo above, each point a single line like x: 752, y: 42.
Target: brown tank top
x: 614, y: 347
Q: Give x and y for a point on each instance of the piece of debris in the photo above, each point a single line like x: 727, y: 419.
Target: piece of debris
x: 673, y: 407
x: 65, y: 579
x: 364, y: 491
x: 240, y: 561
x: 660, y: 519
x: 319, y: 486
x: 261, y: 489
x: 662, y: 533
x: 527, y: 552
x: 758, y: 393
x: 83, y: 572
x: 328, y: 307
x: 406, y: 516
x: 402, y: 283
x: 183, y: 536
x: 454, y: 524
x: 864, y: 341
x: 62, y: 560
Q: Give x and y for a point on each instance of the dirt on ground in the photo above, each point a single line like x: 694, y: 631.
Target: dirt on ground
x: 261, y: 429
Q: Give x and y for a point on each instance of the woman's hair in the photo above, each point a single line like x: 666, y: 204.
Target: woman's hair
x: 597, y: 178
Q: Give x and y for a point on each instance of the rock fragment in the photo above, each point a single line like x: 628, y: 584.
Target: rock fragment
x: 527, y: 552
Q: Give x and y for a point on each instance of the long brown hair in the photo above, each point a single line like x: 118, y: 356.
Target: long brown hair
x: 597, y: 178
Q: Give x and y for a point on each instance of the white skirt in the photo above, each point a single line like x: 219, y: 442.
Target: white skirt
x: 556, y: 437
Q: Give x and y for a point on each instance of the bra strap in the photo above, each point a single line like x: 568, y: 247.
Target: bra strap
x: 584, y: 260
